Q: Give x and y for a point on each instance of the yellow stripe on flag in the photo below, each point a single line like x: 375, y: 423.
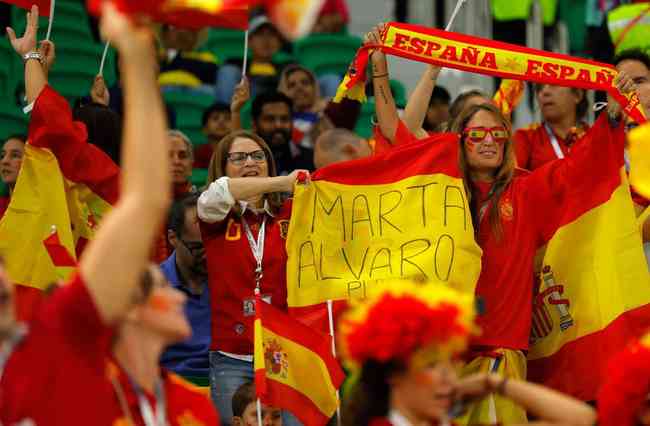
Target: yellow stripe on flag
x: 345, y: 238
x: 603, y: 276
x: 639, y: 149
x: 38, y: 204
x: 296, y: 366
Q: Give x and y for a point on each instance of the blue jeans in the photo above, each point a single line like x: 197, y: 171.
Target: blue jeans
x: 226, y: 376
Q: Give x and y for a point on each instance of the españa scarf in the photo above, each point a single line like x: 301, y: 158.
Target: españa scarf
x: 483, y: 56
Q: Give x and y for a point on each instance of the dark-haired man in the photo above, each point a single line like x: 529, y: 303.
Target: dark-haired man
x: 272, y: 120
x: 186, y: 270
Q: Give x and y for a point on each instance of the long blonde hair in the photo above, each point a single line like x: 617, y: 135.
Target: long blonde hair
x: 217, y: 167
x: 502, y: 176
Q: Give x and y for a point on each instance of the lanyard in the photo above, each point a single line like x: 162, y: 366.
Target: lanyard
x: 257, y: 247
x: 554, y: 142
x: 9, y: 346
x: 159, y: 418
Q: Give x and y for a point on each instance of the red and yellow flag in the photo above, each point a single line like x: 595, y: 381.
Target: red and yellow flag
x: 194, y: 14
x: 489, y: 57
x: 639, y: 149
x: 43, y: 5
x: 594, y: 289
x: 294, y: 366
x: 64, y: 184
x: 399, y: 214
x: 509, y: 95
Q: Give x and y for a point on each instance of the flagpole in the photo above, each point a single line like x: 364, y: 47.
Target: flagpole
x: 259, y: 412
x: 459, y: 4
x: 244, y: 67
x: 103, y: 62
x: 330, y: 315
x: 49, y: 25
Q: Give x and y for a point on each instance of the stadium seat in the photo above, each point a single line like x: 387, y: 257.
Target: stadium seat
x: 246, y: 116
x: 75, y: 69
x: 12, y: 120
x: 8, y: 72
x: 199, y: 177
x: 189, y: 109
x: 70, y: 23
x: 364, y: 123
x: 225, y: 44
x: 326, y: 53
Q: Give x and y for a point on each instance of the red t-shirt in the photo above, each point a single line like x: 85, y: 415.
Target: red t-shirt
x: 58, y: 374
x: 533, y: 146
x: 57, y: 371
x: 533, y: 207
x: 231, y: 274
x: 186, y: 404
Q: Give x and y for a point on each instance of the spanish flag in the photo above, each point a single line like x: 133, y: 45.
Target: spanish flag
x: 509, y: 95
x: 65, y: 185
x: 194, y: 14
x: 43, y: 5
x: 639, y: 149
x: 594, y: 285
x: 353, y: 85
x: 294, y: 366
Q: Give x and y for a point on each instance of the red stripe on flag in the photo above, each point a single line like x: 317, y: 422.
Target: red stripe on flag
x: 437, y: 154
x: 58, y: 253
x: 316, y: 316
x: 275, y: 321
x: 26, y: 299
x: 43, y: 5
x: 580, y: 366
x: 260, y: 382
x: 281, y: 395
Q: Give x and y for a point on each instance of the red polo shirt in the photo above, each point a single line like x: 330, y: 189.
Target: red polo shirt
x: 231, y: 272
x: 533, y: 146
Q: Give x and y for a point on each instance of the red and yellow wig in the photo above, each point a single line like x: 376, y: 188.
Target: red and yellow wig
x: 627, y: 385
x: 407, y: 322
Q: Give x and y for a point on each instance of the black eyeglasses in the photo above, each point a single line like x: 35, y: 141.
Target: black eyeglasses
x: 239, y: 158
x: 194, y: 247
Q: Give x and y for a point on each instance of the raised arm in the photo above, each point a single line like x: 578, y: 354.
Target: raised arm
x: 418, y: 103
x: 115, y: 260
x: 551, y: 407
x: 36, y: 66
x: 385, y: 107
x: 240, y: 96
x: 215, y: 202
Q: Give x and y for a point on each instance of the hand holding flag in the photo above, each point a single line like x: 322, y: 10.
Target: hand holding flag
x: 26, y: 43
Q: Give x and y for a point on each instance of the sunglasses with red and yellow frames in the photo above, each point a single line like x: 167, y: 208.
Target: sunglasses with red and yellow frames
x: 479, y: 134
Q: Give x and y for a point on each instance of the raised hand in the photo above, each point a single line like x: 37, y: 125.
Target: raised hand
x: 99, y: 92
x: 26, y: 43
x: 47, y: 50
x: 127, y: 35
x: 240, y: 96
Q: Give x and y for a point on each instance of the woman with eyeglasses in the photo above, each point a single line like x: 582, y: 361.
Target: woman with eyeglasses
x: 513, y: 216
x: 244, y: 224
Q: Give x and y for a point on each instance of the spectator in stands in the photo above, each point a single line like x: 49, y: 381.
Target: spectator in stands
x: 104, y: 126
x: 337, y: 145
x: 465, y: 100
x: 244, y: 409
x: 636, y: 63
x: 182, y: 65
x: 92, y: 319
x: 11, y: 158
x: 272, y: 112
x: 264, y: 41
x: 332, y: 18
x: 438, y: 112
x: 563, y: 111
x: 301, y: 86
x: 186, y: 271
x: 182, y: 157
x: 216, y: 123
x: 244, y: 198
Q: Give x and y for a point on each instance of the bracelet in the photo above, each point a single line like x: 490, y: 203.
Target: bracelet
x: 380, y: 75
x: 33, y: 55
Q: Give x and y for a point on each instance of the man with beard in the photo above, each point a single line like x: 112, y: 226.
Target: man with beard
x: 186, y: 271
x: 272, y: 120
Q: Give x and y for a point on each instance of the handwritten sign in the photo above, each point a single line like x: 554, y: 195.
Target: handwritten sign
x: 344, y: 238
